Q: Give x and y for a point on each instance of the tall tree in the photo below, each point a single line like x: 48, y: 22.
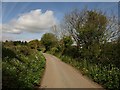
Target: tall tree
x: 86, y: 27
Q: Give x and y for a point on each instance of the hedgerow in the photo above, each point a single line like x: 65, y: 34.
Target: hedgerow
x: 22, y: 67
x: 106, y: 75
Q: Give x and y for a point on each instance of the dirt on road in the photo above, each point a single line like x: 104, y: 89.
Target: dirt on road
x: 61, y: 75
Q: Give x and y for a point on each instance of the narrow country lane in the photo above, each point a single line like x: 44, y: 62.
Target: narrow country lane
x: 61, y: 75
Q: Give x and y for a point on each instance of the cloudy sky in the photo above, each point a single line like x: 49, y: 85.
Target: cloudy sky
x: 27, y: 21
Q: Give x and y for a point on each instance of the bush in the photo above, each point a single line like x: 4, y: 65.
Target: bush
x: 6, y: 52
x: 54, y: 50
x: 25, y: 72
x: 106, y: 75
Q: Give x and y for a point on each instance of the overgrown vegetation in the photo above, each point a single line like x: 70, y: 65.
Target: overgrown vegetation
x: 92, y: 45
x: 48, y: 40
x: 107, y: 75
x: 90, y: 41
x: 22, y: 67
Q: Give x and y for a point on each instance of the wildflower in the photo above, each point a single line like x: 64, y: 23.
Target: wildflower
x: 110, y: 71
x: 86, y: 70
x: 96, y: 74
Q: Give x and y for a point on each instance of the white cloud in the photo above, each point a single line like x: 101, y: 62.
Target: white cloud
x: 33, y: 21
x: 7, y: 28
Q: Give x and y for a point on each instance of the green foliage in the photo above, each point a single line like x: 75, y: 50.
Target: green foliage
x: 108, y: 75
x: 34, y: 44
x: 48, y: 40
x: 110, y: 53
x: 7, y: 53
x: 103, y: 67
x: 15, y: 43
x: 23, y: 50
x: 19, y: 43
x: 65, y: 44
x: 67, y: 41
x: 54, y: 50
x: 86, y: 27
x: 92, y: 34
x: 22, y: 67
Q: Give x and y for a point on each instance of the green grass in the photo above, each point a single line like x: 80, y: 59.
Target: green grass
x: 22, y: 71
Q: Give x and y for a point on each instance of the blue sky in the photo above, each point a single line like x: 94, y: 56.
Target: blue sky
x: 13, y: 11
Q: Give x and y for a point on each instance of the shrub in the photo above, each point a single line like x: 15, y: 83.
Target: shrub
x: 106, y: 75
x: 25, y: 72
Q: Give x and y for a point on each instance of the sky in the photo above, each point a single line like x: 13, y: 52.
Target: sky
x: 26, y: 21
